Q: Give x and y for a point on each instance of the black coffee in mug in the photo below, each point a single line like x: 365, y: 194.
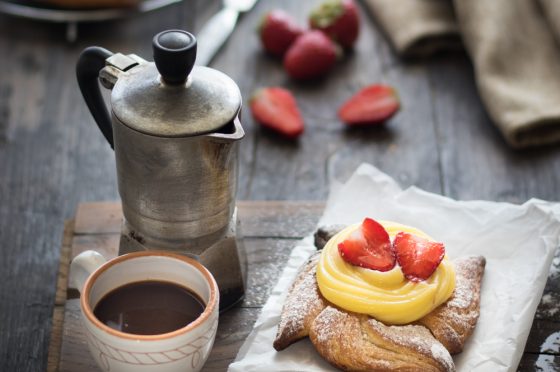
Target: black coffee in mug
x: 149, y: 307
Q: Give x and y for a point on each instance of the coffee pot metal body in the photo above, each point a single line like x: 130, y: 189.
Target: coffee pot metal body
x: 175, y: 130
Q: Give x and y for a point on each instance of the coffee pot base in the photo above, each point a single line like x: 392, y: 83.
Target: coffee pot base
x: 226, y: 258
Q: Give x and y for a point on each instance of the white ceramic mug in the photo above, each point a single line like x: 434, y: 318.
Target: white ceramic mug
x: 185, y: 349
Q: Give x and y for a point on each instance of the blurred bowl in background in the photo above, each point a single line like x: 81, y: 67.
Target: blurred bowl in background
x: 72, y: 12
x: 88, y: 4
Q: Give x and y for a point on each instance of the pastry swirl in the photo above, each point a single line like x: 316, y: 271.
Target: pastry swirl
x: 352, y: 341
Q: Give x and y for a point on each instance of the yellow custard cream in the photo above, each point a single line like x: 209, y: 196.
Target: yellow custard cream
x: 386, y: 296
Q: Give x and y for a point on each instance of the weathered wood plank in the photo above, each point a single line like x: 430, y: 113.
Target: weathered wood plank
x: 273, y: 168
x: 98, y: 218
x: 258, y: 218
x: 55, y: 341
x: 539, y: 362
x: 544, y: 338
x: 549, y: 307
x: 28, y: 273
x: 74, y: 354
x: 266, y: 259
x: 279, y: 219
x: 475, y: 160
x: 235, y: 325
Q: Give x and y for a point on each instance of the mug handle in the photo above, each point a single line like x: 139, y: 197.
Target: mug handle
x: 90, y: 63
x: 82, y: 266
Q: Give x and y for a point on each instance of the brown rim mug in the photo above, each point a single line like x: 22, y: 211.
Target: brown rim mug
x: 184, y: 349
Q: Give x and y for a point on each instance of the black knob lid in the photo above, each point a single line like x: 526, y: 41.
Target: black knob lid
x: 174, y: 55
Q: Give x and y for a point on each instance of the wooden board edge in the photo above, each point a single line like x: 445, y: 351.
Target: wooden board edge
x: 55, y: 341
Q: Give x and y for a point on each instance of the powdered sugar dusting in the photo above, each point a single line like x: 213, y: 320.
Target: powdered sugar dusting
x: 453, y: 322
x: 302, y: 305
x: 440, y: 353
x: 325, y: 326
x: 416, y: 338
x: 337, y: 332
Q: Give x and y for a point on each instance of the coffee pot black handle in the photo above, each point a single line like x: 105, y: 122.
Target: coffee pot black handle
x: 90, y: 62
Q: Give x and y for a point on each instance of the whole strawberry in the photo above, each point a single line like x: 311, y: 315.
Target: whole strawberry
x: 311, y: 56
x: 338, y: 19
x: 276, y: 109
x: 277, y: 31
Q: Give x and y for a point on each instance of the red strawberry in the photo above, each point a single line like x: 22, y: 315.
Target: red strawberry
x: 338, y: 19
x: 276, y: 108
x: 278, y: 30
x: 311, y: 56
x: 372, y: 105
x: 369, y: 247
x: 418, y: 257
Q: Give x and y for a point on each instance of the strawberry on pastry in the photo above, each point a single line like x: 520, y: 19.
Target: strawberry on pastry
x: 276, y: 109
x: 417, y: 256
x: 339, y: 20
x: 369, y: 247
x: 372, y: 105
x: 311, y: 56
x: 277, y: 32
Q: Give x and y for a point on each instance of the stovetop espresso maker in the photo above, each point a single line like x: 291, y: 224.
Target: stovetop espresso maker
x: 175, y: 130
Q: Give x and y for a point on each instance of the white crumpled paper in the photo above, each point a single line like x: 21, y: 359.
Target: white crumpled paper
x: 518, y: 242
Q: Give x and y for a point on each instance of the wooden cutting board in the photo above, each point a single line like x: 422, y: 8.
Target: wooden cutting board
x: 271, y: 229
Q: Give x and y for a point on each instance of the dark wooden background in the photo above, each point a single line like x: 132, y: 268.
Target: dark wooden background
x: 52, y: 156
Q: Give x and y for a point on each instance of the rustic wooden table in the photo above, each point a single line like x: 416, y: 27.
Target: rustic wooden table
x: 52, y: 156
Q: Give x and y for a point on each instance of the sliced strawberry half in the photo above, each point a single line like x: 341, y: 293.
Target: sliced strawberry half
x: 418, y: 257
x: 369, y: 247
x: 372, y: 105
x: 276, y: 108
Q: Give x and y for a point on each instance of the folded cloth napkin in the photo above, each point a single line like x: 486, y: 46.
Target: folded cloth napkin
x: 514, y: 46
x: 417, y: 27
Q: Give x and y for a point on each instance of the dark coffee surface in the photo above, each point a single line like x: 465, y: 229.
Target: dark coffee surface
x: 149, y: 308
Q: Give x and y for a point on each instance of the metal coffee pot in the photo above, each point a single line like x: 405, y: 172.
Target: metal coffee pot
x: 175, y: 130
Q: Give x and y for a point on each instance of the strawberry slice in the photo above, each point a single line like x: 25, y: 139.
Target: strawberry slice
x: 369, y: 247
x: 418, y: 257
x: 276, y: 109
x: 372, y: 105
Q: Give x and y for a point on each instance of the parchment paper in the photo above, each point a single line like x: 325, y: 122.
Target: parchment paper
x: 518, y: 242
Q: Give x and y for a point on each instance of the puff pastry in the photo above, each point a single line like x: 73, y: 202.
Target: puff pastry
x: 454, y: 321
x: 353, y: 341
x: 302, y: 305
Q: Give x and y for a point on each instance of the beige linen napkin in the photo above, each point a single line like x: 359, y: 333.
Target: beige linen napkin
x: 514, y: 52
x: 551, y: 9
x: 417, y: 27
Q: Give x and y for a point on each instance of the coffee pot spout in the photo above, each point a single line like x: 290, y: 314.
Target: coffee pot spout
x: 232, y: 132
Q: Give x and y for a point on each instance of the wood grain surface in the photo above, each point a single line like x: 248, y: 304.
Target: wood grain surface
x: 267, y: 251
x: 271, y: 229
x: 52, y: 156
